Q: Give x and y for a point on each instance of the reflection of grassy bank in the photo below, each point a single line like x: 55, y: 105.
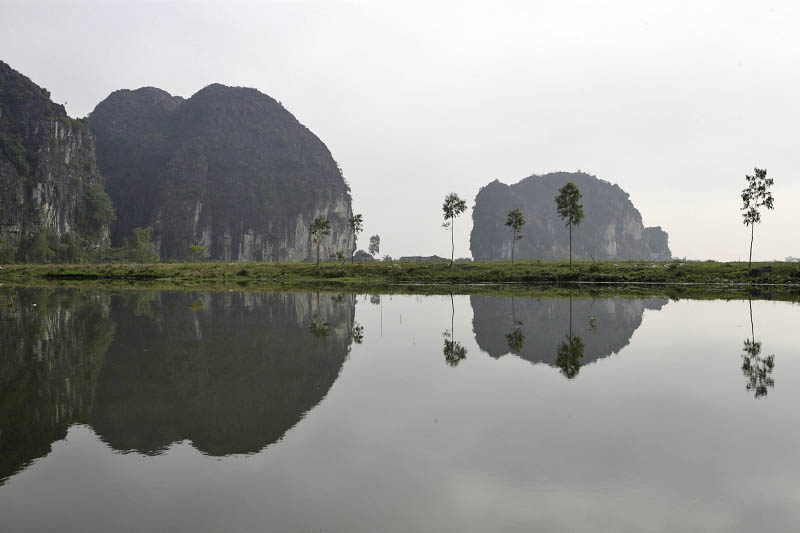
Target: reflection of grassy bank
x: 700, y: 280
x: 706, y: 273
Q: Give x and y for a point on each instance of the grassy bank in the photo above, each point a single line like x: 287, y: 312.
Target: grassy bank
x: 365, y: 276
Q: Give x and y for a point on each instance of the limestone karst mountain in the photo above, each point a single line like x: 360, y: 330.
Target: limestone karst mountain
x: 229, y: 169
x: 48, y: 177
x: 611, y: 230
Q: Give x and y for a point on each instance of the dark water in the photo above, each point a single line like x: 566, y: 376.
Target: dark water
x: 233, y: 411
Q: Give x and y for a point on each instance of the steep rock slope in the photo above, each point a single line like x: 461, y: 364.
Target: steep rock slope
x: 48, y: 176
x: 612, y: 227
x: 229, y: 169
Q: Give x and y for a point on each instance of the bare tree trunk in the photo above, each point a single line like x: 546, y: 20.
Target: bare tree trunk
x: 452, y: 242
x: 752, y: 329
x: 750, y: 261
x: 570, y: 245
x: 513, y: 244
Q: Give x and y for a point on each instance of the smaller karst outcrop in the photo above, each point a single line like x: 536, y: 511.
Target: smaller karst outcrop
x: 611, y: 230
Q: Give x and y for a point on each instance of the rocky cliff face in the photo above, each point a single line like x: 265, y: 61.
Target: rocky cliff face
x: 612, y: 227
x: 48, y: 175
x: 229, y: 169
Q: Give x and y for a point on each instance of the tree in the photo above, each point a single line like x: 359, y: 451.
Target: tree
x: 197, y: 252
x: 453, y: 206
x: 319, y: 229
x: 374, y: 245
x: 94, y: 213
x: 515, y: 221
x: 357, y: 225
x: 39, y: 247
x: 570, y: 209
x: 754, y: 196
x: 140, y: 249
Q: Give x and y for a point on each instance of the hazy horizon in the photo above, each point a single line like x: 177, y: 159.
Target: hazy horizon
x: 675, y: 103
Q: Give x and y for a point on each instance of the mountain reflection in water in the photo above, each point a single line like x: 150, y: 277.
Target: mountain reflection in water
x: 53, y: 347
x: 230, y: 372
x: 567, y: 333
x: 140, y: 410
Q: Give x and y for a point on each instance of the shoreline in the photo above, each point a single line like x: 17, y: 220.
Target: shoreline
x: 635, y: 278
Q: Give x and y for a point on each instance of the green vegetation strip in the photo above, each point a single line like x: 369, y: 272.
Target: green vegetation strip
x: 678, y: 278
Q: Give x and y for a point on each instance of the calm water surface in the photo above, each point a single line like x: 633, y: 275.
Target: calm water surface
x: 236, y: 411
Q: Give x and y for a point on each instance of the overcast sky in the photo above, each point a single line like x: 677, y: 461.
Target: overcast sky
x: 674, y: 101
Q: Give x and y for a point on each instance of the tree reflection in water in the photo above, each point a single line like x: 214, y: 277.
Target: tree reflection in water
x: 570, y: 352
x: 516, y: 338
x: 321, y: 329
x: 358, y: 333
x: 756, y: 369
x: 453, y: 351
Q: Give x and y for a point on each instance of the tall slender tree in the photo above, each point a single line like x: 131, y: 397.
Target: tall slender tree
x: 319, y: 229
x: 755, y: 196
x: 515, y: 221
x: 453, y: 206
x: 570, y: 209
x: 357, y: 225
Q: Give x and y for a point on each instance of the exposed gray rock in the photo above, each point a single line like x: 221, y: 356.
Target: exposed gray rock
x: 612, y: 227
x: 47, y: 165
x: 229, y: 169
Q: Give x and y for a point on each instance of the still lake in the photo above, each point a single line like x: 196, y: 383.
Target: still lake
x: 144, y: 410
